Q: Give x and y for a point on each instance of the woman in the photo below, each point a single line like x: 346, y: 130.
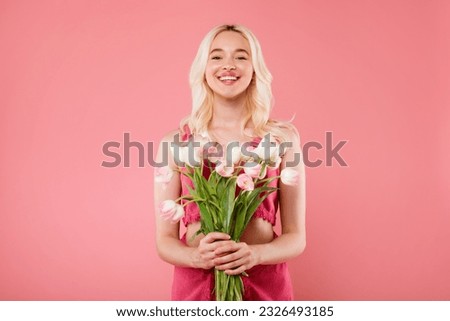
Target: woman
x: 232, y: 98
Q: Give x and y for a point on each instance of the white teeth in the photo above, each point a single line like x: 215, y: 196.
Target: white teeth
x: 228, y: 78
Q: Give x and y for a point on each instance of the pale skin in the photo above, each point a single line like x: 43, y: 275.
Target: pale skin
x: 230, y: 52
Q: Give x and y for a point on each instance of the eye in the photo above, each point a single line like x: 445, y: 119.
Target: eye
x: 241, y: 58
x: 216, y: 57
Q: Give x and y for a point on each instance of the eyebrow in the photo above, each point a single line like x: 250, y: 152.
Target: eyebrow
x: 237, y: 50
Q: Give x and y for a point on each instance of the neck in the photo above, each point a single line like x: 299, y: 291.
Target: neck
x: 228, y: 112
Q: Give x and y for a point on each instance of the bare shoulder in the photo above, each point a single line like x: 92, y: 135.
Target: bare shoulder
x: 287, y: 131
x: 170, y: 136
x: 291, y: 150
x: 292, y: 133
x: 165, y: 153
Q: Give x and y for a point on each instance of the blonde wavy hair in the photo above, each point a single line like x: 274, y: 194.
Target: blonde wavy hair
x: 259, y: 92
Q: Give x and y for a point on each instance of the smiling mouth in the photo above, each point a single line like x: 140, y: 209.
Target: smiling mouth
x: 228, y: 79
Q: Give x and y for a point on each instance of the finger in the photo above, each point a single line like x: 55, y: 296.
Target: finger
x: 223, y: 245
x: 237, y: 271
x: 214, y: 236
x: 230, y: 265
x: 209, y: 264
x: 227, y: 256
x: 227, y: 247
x: 211, y: 247
x: 208, y: 256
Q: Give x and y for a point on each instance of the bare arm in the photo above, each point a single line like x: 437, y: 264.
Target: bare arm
x: 292, y: 241
x: 169, y: 247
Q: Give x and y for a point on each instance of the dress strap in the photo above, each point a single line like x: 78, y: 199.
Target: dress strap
x: 185, y: 133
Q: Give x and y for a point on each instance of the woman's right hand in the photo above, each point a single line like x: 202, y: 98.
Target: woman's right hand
x: 204, y: 254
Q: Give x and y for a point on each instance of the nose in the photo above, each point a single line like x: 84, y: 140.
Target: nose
x: 229, y: 67
x: 228, y: 63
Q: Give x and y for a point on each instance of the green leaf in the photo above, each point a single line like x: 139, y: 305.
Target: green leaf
x: 202, y: 183
x: 229, y: 203
x: 240, y: 217
x: 206, y: 218
x: 254, y: 205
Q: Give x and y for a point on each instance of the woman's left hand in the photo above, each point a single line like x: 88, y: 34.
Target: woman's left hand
x: 235, y: 258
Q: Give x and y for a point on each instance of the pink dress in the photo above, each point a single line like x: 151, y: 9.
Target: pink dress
x: 264, y: 282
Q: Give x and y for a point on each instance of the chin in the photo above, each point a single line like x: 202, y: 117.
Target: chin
x: 230, y: 96
x: 231, y: 93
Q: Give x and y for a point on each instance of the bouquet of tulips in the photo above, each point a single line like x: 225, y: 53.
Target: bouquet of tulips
x: 227, y: 192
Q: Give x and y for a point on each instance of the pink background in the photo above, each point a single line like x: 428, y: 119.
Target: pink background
x: 74, y: 75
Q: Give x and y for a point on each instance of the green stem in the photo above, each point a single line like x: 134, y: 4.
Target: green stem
x: 184, y: 197
x: 190, y: 201
x: 228, y: 287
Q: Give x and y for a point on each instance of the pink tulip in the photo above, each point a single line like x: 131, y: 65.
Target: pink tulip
x: 163, y: 174
x: 289, y: 176
x: 223, y: 170
x: 255, y: 171
x: 252, y: 171
x: 212, y: 153
x: 199, y: 150
x: 245, y: 182
x: 170, y: 210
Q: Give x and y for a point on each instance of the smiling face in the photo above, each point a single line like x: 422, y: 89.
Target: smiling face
x: 229, y: 68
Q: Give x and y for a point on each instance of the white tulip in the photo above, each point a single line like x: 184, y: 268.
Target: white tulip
x: 289, y: 176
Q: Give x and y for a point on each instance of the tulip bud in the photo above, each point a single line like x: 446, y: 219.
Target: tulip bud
x: 253, y: 171
x: 248, y: 153
x: 289, y: 176
x: 212, y: 152
x: 170, y: 210
x: 245, y: 182
x: 179, y: 213
x: 190, y: 156
x: 223, y: 170
x: 234, y: 153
